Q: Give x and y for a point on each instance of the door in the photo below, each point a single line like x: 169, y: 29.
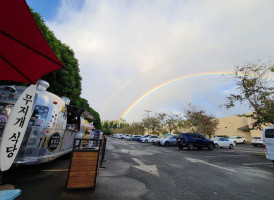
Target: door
x: 201, y: 141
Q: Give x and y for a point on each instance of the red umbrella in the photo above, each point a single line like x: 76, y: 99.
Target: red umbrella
x: 25, y: 55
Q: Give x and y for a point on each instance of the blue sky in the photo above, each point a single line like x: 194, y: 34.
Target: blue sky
x: 125, y: 48
x: 46, y: 8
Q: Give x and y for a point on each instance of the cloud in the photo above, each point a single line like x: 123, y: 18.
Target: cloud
x: 126, y: 48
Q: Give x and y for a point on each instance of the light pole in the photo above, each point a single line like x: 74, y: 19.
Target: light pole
x: 147, y: 111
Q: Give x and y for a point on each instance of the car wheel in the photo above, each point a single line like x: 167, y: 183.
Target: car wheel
x: 180, y: 147
x: 254, y: 145
x: 153, y: 143
x: 231, y: 146
x: 200, y: 148
x: 146, y: 141
x: 273, y: 161
x: 190, y: 146
x: 167, y: 144
x: 216, y: 146
x: 244, y: 141
x: 210, y: 147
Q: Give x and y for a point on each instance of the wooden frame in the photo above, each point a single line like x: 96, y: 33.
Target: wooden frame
x: 84, y: 165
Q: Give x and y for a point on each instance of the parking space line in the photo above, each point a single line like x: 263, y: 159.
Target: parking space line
x: 226, y: 155
x: 212, y: 165
x: 250, y: 164
x: 54, y: 170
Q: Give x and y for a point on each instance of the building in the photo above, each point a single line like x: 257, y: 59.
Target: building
x: 237, y: 126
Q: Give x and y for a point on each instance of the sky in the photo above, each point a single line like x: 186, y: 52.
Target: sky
x: 125, y: 48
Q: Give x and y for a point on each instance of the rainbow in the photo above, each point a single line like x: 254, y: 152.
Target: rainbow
x: 169, y: 82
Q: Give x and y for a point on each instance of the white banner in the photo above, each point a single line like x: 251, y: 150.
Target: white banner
x: 16, y: 127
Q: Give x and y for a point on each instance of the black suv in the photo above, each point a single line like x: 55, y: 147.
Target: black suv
x: 191, y: 140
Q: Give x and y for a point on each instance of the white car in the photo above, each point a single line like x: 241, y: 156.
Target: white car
x: 224, y: 142
x: 117, y: 135
x: 128, y: 137
x: 238, y: 139
x: 149, y: 139
x: 124, y: 136
x: 268, y: 138
x: 157, y: 140
x: 216, y: 137
x: 120, y: 136
x: 257, y: 141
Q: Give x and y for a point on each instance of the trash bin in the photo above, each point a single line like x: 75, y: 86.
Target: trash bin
x: 84, y: 164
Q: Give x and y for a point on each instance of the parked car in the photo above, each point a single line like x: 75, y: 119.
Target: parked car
x: 157, y: 140
x: 148, y: 139
x: 139, y: 139
x: 238, y: 139
x: 216, y: 137
x: 257, y: 141
x: 128, y: 137
x: 268, y: 139
x: 124, y: 136
x: 168, y: 141
x: 120, y: 136
x: 224, y: 142
x: 135, y: 137
x: 192, y: 140
x: 117, y: 135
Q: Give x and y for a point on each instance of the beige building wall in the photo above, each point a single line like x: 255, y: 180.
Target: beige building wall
x: 237, y: 126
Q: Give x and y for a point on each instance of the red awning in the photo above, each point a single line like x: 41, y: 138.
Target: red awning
x: 25, y: 55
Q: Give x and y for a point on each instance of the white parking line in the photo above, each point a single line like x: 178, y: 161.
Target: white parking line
x: 226, y: 155
x: 212, y: 165
x: 54, y: 170
x: 250, y: 164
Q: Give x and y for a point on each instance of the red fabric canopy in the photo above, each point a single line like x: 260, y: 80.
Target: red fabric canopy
x: 25, y: 55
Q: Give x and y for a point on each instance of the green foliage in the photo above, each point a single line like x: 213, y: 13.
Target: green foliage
x: 151, y: 123
x: 106, y: 131
x: 163, y: 132
x: 201, y: 122
x: 254, y: 88
x: 171, y: 121
x: 65, y: 82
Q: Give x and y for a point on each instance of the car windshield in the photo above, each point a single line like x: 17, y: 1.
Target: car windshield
x: 232, y: 137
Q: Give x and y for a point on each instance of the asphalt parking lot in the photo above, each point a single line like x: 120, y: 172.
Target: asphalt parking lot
x: 144, y: 171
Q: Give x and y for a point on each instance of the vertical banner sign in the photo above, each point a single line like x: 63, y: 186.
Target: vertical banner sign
x: 16, y: 127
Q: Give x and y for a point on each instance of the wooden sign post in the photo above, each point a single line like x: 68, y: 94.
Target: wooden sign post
x: 84, y: 164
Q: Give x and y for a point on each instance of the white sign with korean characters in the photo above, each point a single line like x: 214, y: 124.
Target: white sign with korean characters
x: 16, y: 127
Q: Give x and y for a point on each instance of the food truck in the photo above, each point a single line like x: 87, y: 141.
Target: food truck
x: 52, y: 127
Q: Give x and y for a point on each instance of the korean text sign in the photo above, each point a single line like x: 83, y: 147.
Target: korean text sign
x: 16, y: 127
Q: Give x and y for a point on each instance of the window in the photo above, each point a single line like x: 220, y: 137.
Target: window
x: 192, y: 135
x: 39, y: 115
x: 269, y: 133
x: 199, y: 136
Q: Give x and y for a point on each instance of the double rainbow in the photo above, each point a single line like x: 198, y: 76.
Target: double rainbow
x: 169, y: 82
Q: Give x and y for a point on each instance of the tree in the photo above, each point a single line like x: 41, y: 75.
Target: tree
x: 256, y: 90
x: 172, y: 122
x: 146, y: 123
x: 201, y: 122
x: 65, y: 82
